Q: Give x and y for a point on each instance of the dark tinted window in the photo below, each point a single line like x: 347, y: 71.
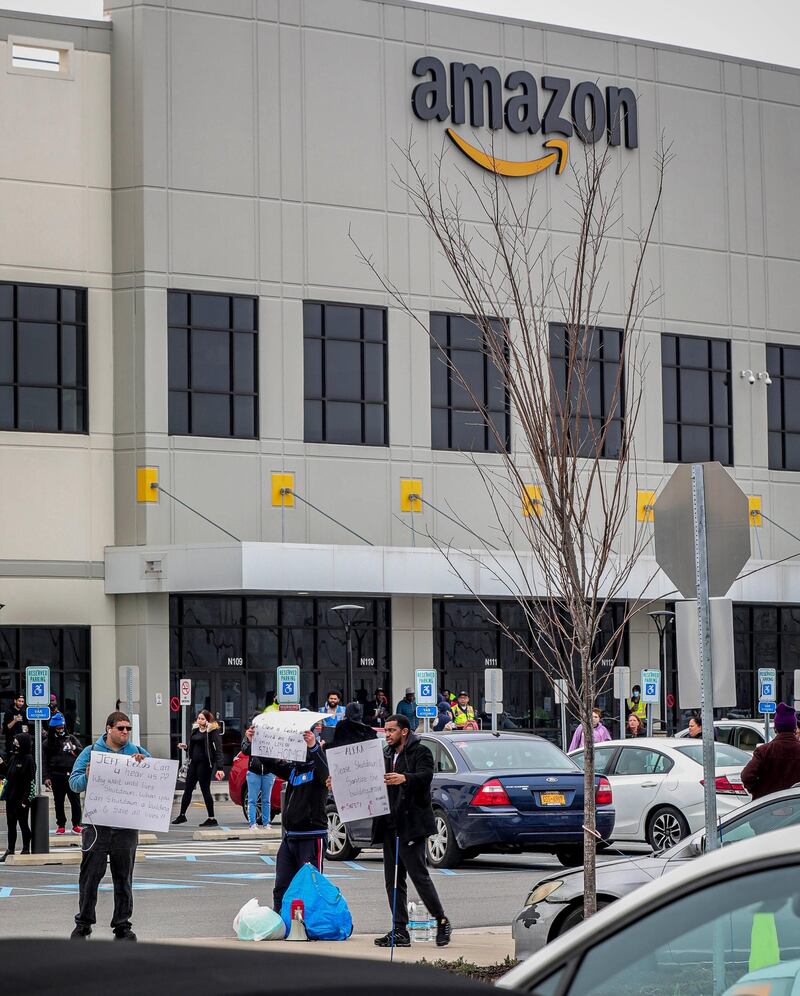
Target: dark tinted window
x: 465, y: 384
x: 783, y: 407
x: 344, y: 374
x: 695, y: 381
x: 500, y: 753
x: 213, y: 365
x: 43, y: 376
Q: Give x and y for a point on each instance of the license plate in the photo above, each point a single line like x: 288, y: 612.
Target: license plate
x: 553, y: 799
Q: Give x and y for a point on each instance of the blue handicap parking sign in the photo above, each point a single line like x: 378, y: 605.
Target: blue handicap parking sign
x: 288, y: 688
x: 37, y: 689
x: 650, y: 688
x: 766, y: 689
x: 426, y: 690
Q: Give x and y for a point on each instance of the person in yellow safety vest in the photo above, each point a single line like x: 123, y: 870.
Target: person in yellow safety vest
x: 635, y: 705
x: 273, y: 706
x: 463, y: 712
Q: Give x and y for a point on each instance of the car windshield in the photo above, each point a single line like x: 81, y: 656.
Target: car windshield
x: 724, y: 755
x: 514, y: 754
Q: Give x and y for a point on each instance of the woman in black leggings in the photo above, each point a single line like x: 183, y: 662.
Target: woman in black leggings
x: 205, y: 762
x: 17, y: 795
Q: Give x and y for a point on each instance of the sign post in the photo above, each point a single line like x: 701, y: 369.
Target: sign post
x: 185, y: 697
x: 426, y: 680
x: 493, y: 693
x: 651, y: 684
x: 766, y: 696
x: 37, y: 699
x: 797, y: 689
x: 622, y: 689
x: 560, y: 695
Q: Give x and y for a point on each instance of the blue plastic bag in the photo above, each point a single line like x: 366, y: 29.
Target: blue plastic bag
x: 325, y: 912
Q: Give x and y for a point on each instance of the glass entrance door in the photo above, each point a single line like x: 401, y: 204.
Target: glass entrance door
x: 221, y: 694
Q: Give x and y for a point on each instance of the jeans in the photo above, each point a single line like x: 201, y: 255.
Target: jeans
x: 198, y: 774
x: 61, y: 790
x: 259, y: 785
x: 117, y: 847
x: 411, y: 860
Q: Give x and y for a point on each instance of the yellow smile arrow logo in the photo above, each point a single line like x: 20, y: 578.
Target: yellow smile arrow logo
x: 508, y: 167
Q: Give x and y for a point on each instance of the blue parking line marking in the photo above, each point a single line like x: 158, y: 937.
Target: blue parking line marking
x: 191, y: 857
x: 137, y: 887
x: 5, y: 892
x: 357, y: 867
x: 267, y: 859
x: 255, y: 875
x: 446, y: 871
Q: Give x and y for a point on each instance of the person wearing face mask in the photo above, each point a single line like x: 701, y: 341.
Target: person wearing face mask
x: 60, y: 751
x: 635, y: 704
x: 20, y: 774
x: 599, y: 733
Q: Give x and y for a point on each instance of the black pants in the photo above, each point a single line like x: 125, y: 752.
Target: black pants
x: 412, y: 860
x: 198, y: 774
x: 16, y: 813
x: 59, y: 780
x: 118, y: 848
x: 293, y: 853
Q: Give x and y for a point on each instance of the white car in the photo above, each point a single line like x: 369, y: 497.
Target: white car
x: 701, y: 929
x: 746, y: 734
x: 657, y: 783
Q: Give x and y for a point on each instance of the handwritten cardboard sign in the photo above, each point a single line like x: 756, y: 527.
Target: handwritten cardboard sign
x: 122, y: 793
x: 280, y: 734
x: 357, y: 772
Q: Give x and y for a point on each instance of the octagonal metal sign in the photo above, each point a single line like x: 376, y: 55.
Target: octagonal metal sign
x: 727, y: 530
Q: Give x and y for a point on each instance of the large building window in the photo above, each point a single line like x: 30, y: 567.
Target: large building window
x: 458, y: 399
x: 230, y: 647
x: 783, y: 407
x: 696, y: 376
x: 213, y: 365
x: 43, y: 358
x: 589, y: 388
x: 466, y: 641
x: 345, y: 374
x: 66, y: 651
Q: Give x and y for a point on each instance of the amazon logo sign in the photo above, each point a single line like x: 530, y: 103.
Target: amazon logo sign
x: 522, y: 104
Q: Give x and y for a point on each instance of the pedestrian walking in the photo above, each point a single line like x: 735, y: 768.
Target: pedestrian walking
x: 204, y: 752
x: 61, y: 750
x: 408, y: 707
x: 259, y: 783
x: 103, y: 845
x: 14, y: 721
x: 17, y: 793
x: 599, y: 733
x: 305, y: 823
x: 403, y: 832
x: 776, y: 765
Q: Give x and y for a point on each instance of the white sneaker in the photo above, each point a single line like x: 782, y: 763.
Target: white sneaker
x: 253, y: 828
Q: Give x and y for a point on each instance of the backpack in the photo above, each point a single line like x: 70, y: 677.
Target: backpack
x: 325, y: 912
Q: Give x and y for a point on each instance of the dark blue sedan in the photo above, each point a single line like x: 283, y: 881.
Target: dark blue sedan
x: 505, y: 792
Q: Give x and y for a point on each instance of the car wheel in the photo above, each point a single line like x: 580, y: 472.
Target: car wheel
x: 570, y: 857
x: 665, y: 828
x: 575, y: 916
x: 441, y: 846
x: 246, y: 806
x: 338, y: 847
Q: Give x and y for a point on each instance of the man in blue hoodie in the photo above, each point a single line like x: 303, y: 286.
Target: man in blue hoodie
x: 102, y: 845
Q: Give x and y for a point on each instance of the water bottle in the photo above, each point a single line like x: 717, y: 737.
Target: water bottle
x: 419, y: 923
x: 430, y: 927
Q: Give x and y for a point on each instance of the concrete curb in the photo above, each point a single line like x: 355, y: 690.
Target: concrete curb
x: 66, y: 856
x: 74, y: 840
x: 263, y: 833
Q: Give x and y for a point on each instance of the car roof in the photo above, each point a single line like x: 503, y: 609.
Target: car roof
x: 483, y: 735
x: 670, y: 743
x: 777, y: 845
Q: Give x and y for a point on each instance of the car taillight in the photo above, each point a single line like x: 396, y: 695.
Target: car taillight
x: 491, y: 793
x: 724, y: 786
x: 602, y: 794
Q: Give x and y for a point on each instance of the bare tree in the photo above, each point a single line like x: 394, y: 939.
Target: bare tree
x: 564, y: 542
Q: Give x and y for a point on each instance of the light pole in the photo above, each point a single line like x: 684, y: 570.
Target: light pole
x: 662, y: 619
x: 347, y: 614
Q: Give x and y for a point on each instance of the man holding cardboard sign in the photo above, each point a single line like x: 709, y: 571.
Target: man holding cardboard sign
x: 104, y: 844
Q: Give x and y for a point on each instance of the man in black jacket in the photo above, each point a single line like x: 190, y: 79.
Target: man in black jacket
x: 409, y: 773
x: 305, y: 823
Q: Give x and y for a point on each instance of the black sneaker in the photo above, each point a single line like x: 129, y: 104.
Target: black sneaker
x: 179, y: 819
x: 5, y: 855
x: 25, y: 850
x: 124, y: 935
x: 401, y: 939
x: 443, y: 932
x: 210, y: 822
x: 80, y: 933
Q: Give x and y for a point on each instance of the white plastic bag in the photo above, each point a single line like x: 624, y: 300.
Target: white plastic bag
x: 258, y: 923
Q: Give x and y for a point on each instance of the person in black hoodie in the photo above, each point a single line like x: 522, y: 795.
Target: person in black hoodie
x: 60, y: 751
x: 205, y: 762
x: 352, y: 729
x: 17, y: 793
x: 402, y: 834
x: 305, y: 823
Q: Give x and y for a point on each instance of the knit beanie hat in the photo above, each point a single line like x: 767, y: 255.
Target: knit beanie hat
x: 785, y: 719
x: 57, y: 720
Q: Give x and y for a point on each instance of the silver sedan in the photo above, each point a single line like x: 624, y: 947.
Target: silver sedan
x: 555, y: 904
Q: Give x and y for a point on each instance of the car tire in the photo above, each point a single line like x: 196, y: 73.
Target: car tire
x: 338, y: 846
x: 570, y: 857
x: 246, y: 807
x: 470, y: 852
x: 441, y: 848
x: 665, y: 828
x: 574, y: 917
